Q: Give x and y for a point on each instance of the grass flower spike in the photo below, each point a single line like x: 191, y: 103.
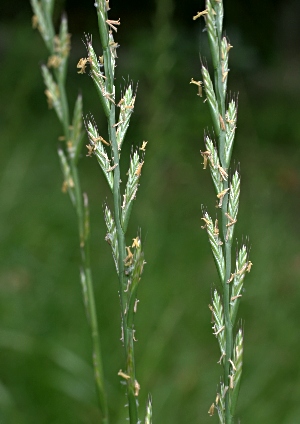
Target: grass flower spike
x: 226, y: 181
x: 54, y: 74
x: 128, y: 255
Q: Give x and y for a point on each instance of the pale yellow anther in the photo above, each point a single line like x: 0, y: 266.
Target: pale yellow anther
x: 143, y: 148
x: 139, y: 169
x: 112, y: 168
x: 199, y: 14
x: 207, y: 222
x: 211, y: 410
x: 81, y: 65
x: 95, y: 139
x: 231, y: 278
x: 232, y: 364
x: 90, y: 150
x: 121, y: 102
x: 112, y: 23
x: 231, y: 381
x: 216, y: 229
x: 53, y: 61
x: 123, y: 375
x: 137, y: 388
x: 232, y: 221
x: 136, y: 242
x: 223, y: 173
x: 129, y: 258
x: 243, y: 269
x: 108, y: 97
x: 117, y: 124
x: 135, y: 305
x: 199, y: 85
x: 249, y: 266
x: 219, y: 331
x: 222, y: 123
x: 206, y: 155
x: 221, y: 358
x: 224, y: 74
x: 128, y: 285
x: 230, y: 121
x: 221, y: 195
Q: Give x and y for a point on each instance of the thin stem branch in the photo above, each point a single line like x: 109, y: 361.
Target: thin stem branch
x: 82, y: 210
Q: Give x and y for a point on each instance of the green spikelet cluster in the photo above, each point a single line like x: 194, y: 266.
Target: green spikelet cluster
x: 128, y: 256
x: 226, y: 182
x: 54, y: 75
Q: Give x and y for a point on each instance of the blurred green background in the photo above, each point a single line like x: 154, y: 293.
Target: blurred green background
x: 45, y: 347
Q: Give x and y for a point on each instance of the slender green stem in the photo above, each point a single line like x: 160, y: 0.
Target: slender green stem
x: 84, y: 237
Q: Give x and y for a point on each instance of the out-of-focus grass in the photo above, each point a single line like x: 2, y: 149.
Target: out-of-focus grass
x: 45, y: 371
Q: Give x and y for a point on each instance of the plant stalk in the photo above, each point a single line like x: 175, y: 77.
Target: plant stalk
x: 82, y: 210
x: 127, y: 331
x: 227, y: 188
x: 58, y: 47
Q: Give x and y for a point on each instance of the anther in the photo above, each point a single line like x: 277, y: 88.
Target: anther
x: 112, y: 168
x: 139, y: 169
x: 199, y: 14
x: 211, y: 410
x: 222, y: 356
x: 231, y: 381
x: 206, y: 155
x: 112, y: 24
x: 123, y: 375
x: 219, y: 331
x: 221, y: 195
x: 199, y: 85
x: 143, y: 148
x: 223, y: 173
x: 222, y: 123
x: 232, y: 364
x: 232, y: 220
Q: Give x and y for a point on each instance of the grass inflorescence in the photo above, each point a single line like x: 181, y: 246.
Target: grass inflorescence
x: 226, y: 180
x: 128, y: 256
x: 54, y: 75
